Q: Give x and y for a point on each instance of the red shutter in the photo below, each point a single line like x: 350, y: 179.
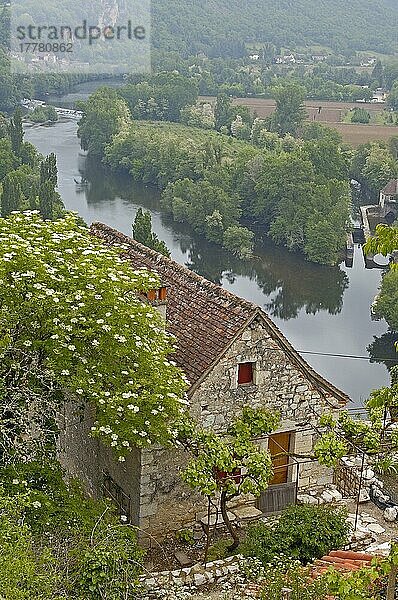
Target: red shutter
x: 245, y: 374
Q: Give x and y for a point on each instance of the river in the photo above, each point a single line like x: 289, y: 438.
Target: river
x: 321, y: 310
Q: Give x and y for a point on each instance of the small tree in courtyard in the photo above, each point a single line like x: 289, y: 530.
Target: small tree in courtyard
x: 224, y: 466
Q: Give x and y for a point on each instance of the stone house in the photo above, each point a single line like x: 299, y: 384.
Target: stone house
x: 233, y: 355
x: 389, y: 198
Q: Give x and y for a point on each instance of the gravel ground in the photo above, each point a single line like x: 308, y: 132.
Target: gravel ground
x: 371, y: 509
x: 227, y: 591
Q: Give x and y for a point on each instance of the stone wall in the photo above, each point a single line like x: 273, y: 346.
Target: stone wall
x: 167, y: 504
x: 278, y: 384
x: 87, y: 459
x: 198, y: 575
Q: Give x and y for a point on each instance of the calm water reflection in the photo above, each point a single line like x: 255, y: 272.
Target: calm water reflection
x: 321, y: 310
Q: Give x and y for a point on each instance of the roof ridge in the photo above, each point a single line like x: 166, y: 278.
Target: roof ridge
x: 97, y: 226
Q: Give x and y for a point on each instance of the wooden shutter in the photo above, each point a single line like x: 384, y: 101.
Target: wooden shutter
x: 245, y: 373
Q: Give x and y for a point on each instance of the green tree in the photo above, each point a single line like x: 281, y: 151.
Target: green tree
x: 223, y: 111
x: 49, y: 170
x: 328, y: 159
x: 385, y: 242
x: 378, y: 73
x: 29, y: 155
x: 360, y: 115
x: 160, y: 97
x: 28, y: 181
x: 49, y: 202
x: 46, y: 200
x: 290, y: 111
x: 379, y: 169
x: 208, y: 208
x: 8, y: 160
x: 43, y: 114
x: 227, y: 465
x: 280, y: 178
x: 239, y: 241
x: 11, y: 197
x: 104, y: 115
x: 142, y: 232
x: 393, y: 97
x: 393, y: 146
x: 16, y: 132
x: 317, y: 131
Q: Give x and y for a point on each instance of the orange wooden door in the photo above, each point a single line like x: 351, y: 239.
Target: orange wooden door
x: 278, y: 444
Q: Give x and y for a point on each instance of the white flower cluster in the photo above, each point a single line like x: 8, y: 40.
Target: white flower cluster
x: 75, y: 301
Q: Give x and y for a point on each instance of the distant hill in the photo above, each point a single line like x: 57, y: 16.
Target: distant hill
x: 190, y: 26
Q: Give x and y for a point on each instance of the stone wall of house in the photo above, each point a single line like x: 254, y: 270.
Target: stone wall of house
x: 277, y: 384
x: 87, y: 459
x: 168, y: 504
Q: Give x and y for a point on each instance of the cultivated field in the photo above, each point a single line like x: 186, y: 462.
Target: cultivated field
x: 331, y: 114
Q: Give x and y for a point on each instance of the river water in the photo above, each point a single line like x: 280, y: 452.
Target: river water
x: 321, y: 310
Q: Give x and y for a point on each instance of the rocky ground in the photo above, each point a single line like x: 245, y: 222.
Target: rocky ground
x: 371, y: 519
x: 372, y: 530
x: 225, y: 591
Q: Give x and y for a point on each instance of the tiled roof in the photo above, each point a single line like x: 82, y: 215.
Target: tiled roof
x: 391, y: 188
x: 340, y: 560
x: 204, y: 317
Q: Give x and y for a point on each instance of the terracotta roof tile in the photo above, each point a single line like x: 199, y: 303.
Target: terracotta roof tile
x: 344, y: 561
x: 204, y: 317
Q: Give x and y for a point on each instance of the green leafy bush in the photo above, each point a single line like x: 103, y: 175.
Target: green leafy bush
x: 185, y: 536
x: 302, y: 532
x: 27, y: 571
x: 360, y: 115
x: 110, y: 568
x: 56, y: 543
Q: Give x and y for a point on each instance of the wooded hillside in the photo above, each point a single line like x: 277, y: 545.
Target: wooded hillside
x: 194, y: 25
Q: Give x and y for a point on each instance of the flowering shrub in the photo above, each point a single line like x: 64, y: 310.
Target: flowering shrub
x: 71, y: 321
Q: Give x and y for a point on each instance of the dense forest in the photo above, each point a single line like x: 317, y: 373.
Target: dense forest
x: 218, y: 27
x: 217, y: 180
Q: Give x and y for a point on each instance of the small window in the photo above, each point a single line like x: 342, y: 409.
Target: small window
x: 114, y: 492
x: 246, y: 373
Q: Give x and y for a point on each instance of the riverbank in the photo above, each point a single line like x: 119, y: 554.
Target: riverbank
x: 324, y: 310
